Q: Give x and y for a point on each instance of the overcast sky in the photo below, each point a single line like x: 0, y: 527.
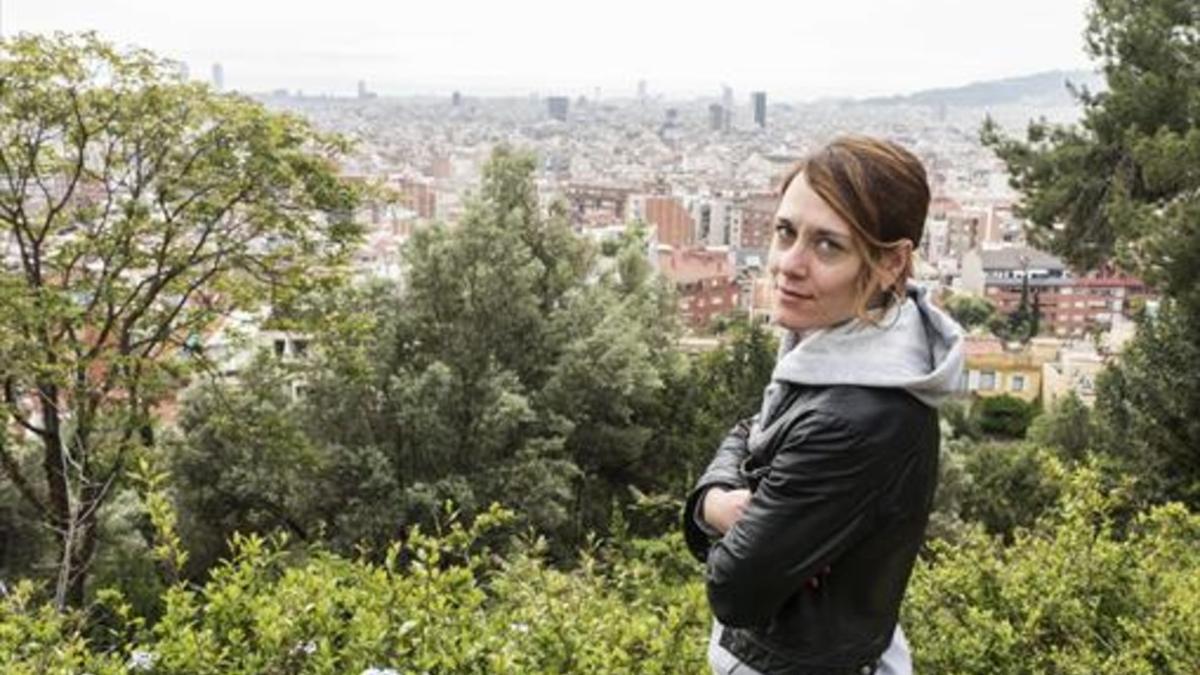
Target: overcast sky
x: 795, y: 50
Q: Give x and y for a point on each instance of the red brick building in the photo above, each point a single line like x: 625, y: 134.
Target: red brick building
x: 597, y: 205
x: 671, y: 220
x: 1066, y: 305
x: 756, y: 224
x: 705, y: 280
x: 417, y: 196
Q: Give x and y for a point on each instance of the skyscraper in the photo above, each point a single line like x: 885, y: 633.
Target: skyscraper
x: 718, y: 119
x: 557, y: 107
x: 760, y: 108
x: 218, y: 77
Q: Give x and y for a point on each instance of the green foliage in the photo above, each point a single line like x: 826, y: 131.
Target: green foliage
x: 962, y: 424
x: 438, y: 603
x: 1067, y: 427
x: 970, y: 310
x: 142, y: 208
x: 1073, y: 594
x: 1010, y: 486
x: 1005, y: 416
x: 1020, y: 325
x: 244, y: 463
x: 1121, y: 187
x: 35, y: 638
x: 1106, y: 179
x: 954, y: 483
x: 1069, y: 596
x: 1147, y: 403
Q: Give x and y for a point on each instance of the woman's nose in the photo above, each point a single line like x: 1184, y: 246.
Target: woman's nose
x: 794, y: 261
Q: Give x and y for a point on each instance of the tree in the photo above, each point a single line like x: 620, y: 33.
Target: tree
x: 1004, y: 415
x: 1147, y: 407
x: 1067, y: 426
x: 245, y: 463
x: 1009, y: 486
x: 138, y: 209
x: 970, y: 310
x: 1122, y: 187
x: 511, y: 366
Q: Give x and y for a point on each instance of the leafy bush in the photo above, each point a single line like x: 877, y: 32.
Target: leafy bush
x: 437, y: 604
x: 1070, y: 596
x: 1010, y: 485
x: 1004, y: 415
x: 970, y: 310
x: 1073, y: 594
x: 1067, y: 427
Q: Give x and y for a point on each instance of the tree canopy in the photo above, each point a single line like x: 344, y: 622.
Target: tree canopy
x: 1122, y: 188
x: 135, y: 210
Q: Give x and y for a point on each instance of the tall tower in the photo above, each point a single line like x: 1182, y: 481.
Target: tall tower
x: 557, y: 107
x: 760, y: 108
x: 218, y: 77
x: 718, y: 118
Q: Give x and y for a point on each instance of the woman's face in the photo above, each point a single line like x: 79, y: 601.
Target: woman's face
x: 815, y: 264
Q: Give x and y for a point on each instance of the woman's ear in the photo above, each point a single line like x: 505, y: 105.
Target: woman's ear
x: 895, y: 261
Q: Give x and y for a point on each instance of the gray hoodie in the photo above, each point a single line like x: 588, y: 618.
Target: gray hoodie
x: 915, y: 346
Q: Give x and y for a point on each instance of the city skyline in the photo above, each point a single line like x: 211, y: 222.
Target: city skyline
x: 793, y: 53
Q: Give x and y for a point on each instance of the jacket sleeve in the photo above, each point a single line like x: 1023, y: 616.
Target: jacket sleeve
x: 725, y: 471
x: 818, y: 500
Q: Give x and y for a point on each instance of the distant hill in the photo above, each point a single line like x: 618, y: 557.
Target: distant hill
x: 1040, y: 89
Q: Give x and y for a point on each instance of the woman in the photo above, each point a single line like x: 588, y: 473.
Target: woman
x: 811, y: 513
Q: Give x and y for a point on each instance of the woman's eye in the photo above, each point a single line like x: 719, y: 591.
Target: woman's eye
x: 785, y: 231
x: 827, y: 246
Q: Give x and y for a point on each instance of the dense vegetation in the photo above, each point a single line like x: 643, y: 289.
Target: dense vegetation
x: 486, y: 471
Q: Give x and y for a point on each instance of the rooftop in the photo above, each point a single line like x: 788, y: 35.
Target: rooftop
x: 1018, y: 257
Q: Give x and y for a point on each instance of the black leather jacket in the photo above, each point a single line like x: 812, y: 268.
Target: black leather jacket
x: 810, y: 579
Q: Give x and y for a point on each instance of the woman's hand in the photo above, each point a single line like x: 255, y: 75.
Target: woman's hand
x: 723, y: 508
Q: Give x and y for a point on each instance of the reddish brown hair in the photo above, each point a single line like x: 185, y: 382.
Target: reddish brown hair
x: 879, y: 189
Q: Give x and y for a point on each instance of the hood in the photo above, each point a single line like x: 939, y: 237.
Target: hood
x: 916, y: 347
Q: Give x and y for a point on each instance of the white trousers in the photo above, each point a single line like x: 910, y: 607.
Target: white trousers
x: 896, y: 659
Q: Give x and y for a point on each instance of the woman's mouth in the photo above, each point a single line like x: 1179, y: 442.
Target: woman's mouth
x: 794, y: 296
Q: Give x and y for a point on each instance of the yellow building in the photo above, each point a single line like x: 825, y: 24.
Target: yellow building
x: 993, y: 370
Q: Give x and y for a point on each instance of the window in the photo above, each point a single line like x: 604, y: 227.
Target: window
x: 279, y: 345
x: 987, y: 380
x: 1017, y: 383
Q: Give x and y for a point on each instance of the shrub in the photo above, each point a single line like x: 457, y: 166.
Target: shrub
x: 1070, y: 596
x: 1004, y: 415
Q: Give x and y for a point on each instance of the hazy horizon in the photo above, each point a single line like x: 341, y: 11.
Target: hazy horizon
x: 851, y: 49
